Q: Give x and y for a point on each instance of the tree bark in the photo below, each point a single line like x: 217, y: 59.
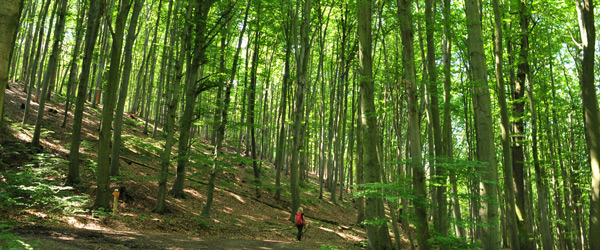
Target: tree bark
x: 506, y: 149
x: 483, y: 126
x: 130, y: 40
x: 518, y: 128
x: 173, y: 100
x: 93, y: 25
x: 585, y: 14
x: 378, y: 234
x: 223, y: 122
x: 36, y: 59
x: 414, y: 137
x: 74, y: 61
x: 52, y: 62
x: 252, y: 99
x: 185, y: 123
x: 103, y: 192
x: 9, y: 19
x: 302, y: 80
x: 281, y: 141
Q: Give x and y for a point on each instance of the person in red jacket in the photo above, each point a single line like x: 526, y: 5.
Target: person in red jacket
x: 300, y: 224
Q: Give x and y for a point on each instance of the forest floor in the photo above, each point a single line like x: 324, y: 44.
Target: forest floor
x: 38, y: 210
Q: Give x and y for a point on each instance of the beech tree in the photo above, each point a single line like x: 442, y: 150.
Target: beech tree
x: 334, y: 91
x: 9, y: 18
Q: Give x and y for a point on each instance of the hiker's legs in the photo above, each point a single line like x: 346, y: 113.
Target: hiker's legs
x: 299, y: 232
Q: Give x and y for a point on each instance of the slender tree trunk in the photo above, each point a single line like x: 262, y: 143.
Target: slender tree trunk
x: 414, y: 138
x: 566, y: 184
x: 302, y: 80
x: 191, y: 93
x: 130, y: 40
x: 585, y: 14
x: 378, y: 235
x: 360, y: 179
x: 224, y: 116
x: 74, y: 61
x: 281, y: 141
x: 93, y: 25
x: 140, y: 87
x: 252, y: 100
x: 9, y: 19
x: 547, y: 240
x: 518, y: 128
x: 27, y: 54
x: 58, y: 36
x: 173, y: 102
x: 36, y: 59
x: 483, y: 126
x: 440, y: 211
x: 164, y: 70
x: 506, y: 150
x: 103, y: 191
x: 95, y: 93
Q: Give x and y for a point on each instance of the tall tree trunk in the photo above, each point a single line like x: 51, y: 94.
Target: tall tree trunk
x: 302, y: 80
x: 103, y: 191
x: 440, y: 211
x: 518, y: 128
x: 378, y: 235
x: 360, y: 173
x: 95, y: 92
x: 164, y: 70
x: 224, y: 116
x: 281, y: 141
x: 74, y: 61
x: 585, y: 14
x: 566, y: 184
x: 173, y: 101
x: 140, y: 87
x: 252, y: 99
x: 93, y: 25
x: 506, y: 150
x: 185, y: 123
x: 483, y: 126
x: 9, y: 19
x: 414, y: 137
x: 547, y: 240
x: 36, y: 59
x: 130, y: 40
x: 28, y: 53
x: 58, y: 36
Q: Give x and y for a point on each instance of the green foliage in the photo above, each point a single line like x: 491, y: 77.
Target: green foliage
x: 202, y: 224
x: 35, y: 185
x: 451, y: 242
x: 10, y: 241
x: 101, y: 213
x: 376, y: 222
x: 329, y: 247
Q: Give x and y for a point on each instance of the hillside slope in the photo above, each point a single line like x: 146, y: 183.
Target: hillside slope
x: 35, y: 197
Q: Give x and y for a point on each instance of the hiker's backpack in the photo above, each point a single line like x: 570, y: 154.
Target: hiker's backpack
x: 299, y: 219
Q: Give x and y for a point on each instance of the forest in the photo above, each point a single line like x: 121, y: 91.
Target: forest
x: 407, y: 124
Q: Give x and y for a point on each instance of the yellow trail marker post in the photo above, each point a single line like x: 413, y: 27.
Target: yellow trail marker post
x: 116, y: 201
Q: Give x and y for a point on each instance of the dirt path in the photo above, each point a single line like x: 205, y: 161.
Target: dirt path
x: 71, y: 239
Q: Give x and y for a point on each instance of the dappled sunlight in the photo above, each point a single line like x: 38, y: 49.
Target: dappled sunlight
x: 227, y: 210
x: 237, y: 197
x: 194, y: 193
x: 36, y: 213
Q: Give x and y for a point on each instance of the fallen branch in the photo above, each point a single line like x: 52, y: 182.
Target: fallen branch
x: 129, y: 161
